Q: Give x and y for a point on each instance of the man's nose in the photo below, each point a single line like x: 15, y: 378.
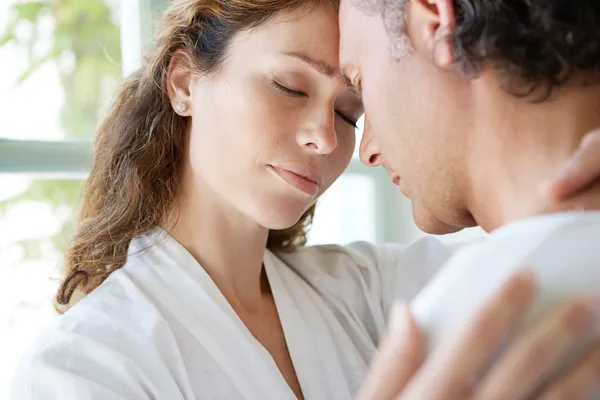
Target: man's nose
x: 369, y: 151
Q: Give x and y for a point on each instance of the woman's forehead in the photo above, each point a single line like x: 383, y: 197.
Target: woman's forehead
x: 313, y: 32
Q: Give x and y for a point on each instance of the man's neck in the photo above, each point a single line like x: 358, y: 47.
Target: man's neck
x: 519, y: 144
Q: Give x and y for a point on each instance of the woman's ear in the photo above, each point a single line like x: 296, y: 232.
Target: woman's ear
x: 429, y: 22
x: 179, y: 81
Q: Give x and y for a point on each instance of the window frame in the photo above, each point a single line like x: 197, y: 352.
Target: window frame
x: 45, y: 159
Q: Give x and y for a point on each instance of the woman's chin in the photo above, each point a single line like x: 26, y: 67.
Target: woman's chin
x: 280, y: 222
x: 282, y: 215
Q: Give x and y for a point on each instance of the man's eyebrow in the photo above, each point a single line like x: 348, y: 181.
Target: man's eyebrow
x: 319, y: 65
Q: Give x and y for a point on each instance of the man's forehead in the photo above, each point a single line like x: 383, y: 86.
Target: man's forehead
x: 354, y: 15
x: 351, y: 38
x: 369, y: 7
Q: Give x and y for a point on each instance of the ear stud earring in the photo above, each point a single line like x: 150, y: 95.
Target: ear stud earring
x: 180, y: 107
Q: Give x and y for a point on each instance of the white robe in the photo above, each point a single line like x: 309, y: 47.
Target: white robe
x: 562, y: 250
x: 159, y: 328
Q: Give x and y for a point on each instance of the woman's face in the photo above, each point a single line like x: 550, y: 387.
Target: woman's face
x: 274, y: 127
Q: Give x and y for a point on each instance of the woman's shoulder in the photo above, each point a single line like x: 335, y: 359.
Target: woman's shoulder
x: 362, y: 270
x: 114, y: 337
x: 367, y: 258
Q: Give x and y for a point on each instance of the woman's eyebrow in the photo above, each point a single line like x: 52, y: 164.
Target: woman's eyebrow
x: 318, y: 65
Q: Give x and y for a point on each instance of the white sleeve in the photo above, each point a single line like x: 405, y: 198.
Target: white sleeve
x: 69, y: 366
x: 404, y: 269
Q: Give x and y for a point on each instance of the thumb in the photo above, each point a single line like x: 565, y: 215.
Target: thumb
x: 581, y: 170
x: 398, y: 358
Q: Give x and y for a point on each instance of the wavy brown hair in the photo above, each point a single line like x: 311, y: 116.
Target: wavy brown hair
x: 140, y: 145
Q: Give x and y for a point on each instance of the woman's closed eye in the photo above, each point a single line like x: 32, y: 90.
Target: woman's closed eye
x: 347, y: 119
x: 287, y: 90
x: 296, y: 93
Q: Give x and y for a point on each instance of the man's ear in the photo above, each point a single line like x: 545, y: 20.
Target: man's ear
x: 428, y: 24
x: 179, y: 81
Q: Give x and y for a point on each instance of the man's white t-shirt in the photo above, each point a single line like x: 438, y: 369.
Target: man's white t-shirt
x: 563, y: 251
x: 159, y: 328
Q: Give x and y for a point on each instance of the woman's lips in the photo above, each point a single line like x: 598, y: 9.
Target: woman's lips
x: 305, y: 181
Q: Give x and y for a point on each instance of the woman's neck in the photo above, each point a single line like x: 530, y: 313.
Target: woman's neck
x: 226, y: 243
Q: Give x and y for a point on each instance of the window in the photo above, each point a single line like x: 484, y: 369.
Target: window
x: 60, y: 64
x: 68, y: 55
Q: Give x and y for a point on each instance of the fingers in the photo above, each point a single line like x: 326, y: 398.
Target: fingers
x: 449, y: 373
x: 582, y: 383
x: 580, y: 171
x: 527, y: 363
x: 399, y: 356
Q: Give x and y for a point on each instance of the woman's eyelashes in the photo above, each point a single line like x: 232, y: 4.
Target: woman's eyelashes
x: 287, y: 90
x: 347, y: 119
x: 296, y: 93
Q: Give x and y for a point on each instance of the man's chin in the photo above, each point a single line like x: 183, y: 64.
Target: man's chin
x: 432, y: 225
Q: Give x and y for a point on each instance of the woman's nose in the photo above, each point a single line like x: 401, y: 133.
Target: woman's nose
x: 320, y: 138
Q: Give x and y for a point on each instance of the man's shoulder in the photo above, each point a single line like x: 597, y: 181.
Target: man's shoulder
x: 546, y: 236
x: 562, y: 250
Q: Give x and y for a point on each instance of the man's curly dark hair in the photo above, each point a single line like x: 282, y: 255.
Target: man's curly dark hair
x: 536, y: 45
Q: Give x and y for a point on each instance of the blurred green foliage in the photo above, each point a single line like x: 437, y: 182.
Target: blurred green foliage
x: 85, y: 46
